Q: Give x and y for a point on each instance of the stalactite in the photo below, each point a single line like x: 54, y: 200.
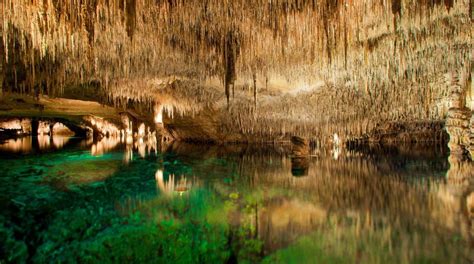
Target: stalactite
x: 255, y: 90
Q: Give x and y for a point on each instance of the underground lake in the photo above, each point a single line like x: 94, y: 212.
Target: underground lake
x: 109, y: 201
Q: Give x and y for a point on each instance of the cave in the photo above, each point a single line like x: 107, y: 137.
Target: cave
x: 244, y: 131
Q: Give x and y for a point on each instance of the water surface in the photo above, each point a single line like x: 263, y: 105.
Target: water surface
x: 72, y: 200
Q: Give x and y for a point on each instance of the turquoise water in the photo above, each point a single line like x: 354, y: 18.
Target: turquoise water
x: 84, y: 202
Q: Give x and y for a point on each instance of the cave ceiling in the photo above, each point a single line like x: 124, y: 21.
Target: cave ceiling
x: 281, y: 63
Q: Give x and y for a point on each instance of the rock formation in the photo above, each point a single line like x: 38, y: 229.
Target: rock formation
x: 460, y: 176
x: 299, y: 156
x: 300, y: 146
x: 316, y: 67
x: 459, y: 117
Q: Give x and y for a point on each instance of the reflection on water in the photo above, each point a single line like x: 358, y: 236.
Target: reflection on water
x: 104, y: 145
x: 387, y: 195
x: 59, y: 142
x: 26, y: 144
x: 173, y: 184
x: 19, y: 145
x: 44, y: 141
x: 144, y: 146
x: 362, y: 206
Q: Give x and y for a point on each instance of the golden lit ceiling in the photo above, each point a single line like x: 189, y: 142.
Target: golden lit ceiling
x: 372, y: 51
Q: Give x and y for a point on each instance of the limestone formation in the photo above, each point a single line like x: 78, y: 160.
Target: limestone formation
x: 458, y: 119
x: 300, y: 147
x: 299, y: 156
x: 316, y: 67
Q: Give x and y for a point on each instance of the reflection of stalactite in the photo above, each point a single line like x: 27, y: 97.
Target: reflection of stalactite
x: 104, y: 145
x: 20, y: 145
x: 128, y: 154
x: 173, y: 185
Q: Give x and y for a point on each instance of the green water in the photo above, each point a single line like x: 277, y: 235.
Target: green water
x: 229, y: 204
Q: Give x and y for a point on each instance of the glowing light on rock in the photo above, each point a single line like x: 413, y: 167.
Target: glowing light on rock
x: 61, y: 129
x: 43, y: 128
x: 159, y: 115
x: 13, y: 124
x: 141, y: 130
x: 336, y: 140
x: 129, y: 139
x: 22, y: 125
x: 103, y: 126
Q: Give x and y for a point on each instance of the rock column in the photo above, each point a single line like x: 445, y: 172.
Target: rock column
x: 458, y: 121
x: 460, y: 176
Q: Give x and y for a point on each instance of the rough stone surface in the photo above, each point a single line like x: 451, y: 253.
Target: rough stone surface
x: 471, y: 138
x: 458, y: 121
x: 408, y: 132
x: 300, y: 146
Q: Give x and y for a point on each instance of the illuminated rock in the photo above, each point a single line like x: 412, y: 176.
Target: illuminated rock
x: 458, y: 119
x: 61, y: 129
x: 102, y: 127
x: 44, y: 128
